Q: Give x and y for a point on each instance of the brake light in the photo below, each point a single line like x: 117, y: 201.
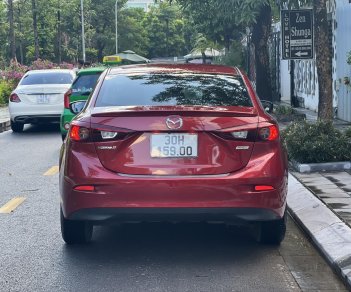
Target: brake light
x: 269, y: 133
x: 67, y: 97
x: 14, y: 98
x: 78, y: 133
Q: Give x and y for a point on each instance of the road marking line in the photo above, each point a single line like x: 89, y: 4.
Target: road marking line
x: 11, y: 205
x: 52, y: 171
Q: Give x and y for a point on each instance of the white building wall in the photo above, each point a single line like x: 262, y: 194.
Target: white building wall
x: 285, y: 81
x: 342, y: 27
x: 306, y: 83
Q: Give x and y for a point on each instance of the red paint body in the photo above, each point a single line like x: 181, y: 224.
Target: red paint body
x: 125, y: 177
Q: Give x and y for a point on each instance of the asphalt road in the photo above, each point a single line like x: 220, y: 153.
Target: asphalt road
x: 134, y: 257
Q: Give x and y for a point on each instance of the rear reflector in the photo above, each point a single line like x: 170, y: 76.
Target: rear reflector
x: 264, y: 188
x: 85, y: 188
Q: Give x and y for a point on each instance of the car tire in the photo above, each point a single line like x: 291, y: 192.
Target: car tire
x: 75, y: 232
x: 272, y: 232
x: 17, y: 127
x: 63, y: 136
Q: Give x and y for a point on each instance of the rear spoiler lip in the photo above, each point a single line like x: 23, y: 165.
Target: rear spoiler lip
x: 191, y: 111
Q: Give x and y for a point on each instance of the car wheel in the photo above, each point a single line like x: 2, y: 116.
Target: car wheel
x: 272, y: 232
x: 63, y: 136
x: 75, y: 232
x: 16, y: 127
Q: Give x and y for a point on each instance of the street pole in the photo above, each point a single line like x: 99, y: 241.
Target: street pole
x: 116, y: 27
x: 83, y: 37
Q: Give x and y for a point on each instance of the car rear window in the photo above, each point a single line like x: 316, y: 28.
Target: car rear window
x: 47, y: 78
x: 84, y: 84
x: 173, y: 89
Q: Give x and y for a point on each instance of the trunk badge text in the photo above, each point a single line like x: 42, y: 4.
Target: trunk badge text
x: 107, y: 147
x: 242, y: 147
x: 174, y: 122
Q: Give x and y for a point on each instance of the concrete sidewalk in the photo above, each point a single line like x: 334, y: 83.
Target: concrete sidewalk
x: 321, y: 204
x: 4, y: 119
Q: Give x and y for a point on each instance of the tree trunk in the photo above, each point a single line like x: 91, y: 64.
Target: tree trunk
x: 59, y: 51
x: 12, y: 31
x: 21, y: 33
x: 35, y: 30
x: 260, y: 35
x: 203, y: 57
x: 324, y: 61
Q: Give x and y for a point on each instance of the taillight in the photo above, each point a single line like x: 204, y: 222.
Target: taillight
x: 269, y: 133
x: 265, y: 132
x: 14, y: 98
x: 84, y: 134
x: 67, y: 97
x: 78, y: 133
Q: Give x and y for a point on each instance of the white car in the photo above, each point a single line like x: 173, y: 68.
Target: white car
x: 39, y: 97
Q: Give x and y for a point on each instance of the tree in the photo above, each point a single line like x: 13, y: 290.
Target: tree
x: 324, y: 61
x: 260, y: 36
x: 227, y: 19
x: 12, y: 30
x: 201, y: 44
x: 165, y: 28
x: 35, y: 29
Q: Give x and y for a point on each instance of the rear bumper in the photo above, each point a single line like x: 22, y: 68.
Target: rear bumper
x: 227, y: 198
x: 33, y: 119
x: 31, y: 113
x: 226, y: 215
x: 122, y: 197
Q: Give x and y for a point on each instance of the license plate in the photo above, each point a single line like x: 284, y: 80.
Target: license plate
x: 43, y: 98
x: 173, y: 145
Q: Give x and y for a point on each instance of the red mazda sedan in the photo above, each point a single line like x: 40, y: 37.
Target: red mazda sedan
x: 173, y: 143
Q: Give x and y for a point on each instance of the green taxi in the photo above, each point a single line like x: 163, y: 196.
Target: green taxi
x: 80, y: 90
x: 83, y: 85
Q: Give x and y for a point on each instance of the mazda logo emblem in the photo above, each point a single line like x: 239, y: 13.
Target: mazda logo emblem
x: 174, y: 122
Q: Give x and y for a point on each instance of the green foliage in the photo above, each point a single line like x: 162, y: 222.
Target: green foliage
x: 5, y: 91
x: 165, y: 28
x: 348, y: 132
x: 284, y: 110
x: 315, y: 143
x: 235, y: 56
x: 348, y: 58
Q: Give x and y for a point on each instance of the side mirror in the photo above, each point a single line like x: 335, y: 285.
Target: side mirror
x: 77, y: 106
x: 267, y: 105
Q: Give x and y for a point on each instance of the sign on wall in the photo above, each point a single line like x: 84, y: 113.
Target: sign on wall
x: 297, y: 34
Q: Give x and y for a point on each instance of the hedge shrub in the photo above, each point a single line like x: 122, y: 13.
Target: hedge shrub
x: 5, y: 91
x: 315, y: 143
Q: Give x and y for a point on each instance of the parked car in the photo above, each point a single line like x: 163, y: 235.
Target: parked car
x: 39, y: 97
x: 79, y: 91
x: 180, y: 142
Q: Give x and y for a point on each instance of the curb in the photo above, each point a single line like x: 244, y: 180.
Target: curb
x: 331, y: 235
x: 4, y: 126
x: 319, y: 167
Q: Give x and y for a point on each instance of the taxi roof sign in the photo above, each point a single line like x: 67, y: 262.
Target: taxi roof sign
x: 111, y: 60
